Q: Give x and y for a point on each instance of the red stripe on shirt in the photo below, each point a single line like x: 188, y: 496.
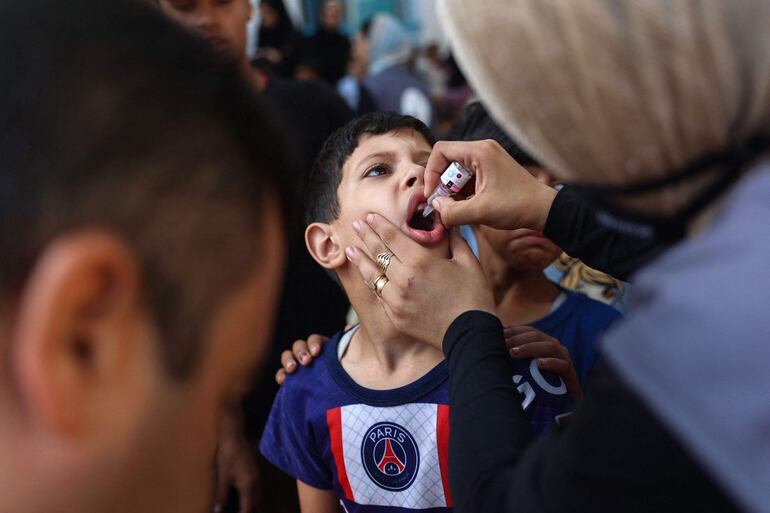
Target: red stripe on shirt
x: 442, y: 437
x: 334, y: 421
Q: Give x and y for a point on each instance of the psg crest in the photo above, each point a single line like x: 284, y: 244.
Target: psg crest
x: 390, y: 456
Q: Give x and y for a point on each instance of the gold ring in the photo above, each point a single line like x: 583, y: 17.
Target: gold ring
x: 383, y: 260
x: 379, y: 284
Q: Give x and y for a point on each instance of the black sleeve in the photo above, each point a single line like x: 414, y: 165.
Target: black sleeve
x: 573, y: 226
x: 612, y: 455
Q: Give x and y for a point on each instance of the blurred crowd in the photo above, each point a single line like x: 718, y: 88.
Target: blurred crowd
x: 380, y: 66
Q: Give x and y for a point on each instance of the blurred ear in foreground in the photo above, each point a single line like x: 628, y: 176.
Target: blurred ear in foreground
x: 144, y: 191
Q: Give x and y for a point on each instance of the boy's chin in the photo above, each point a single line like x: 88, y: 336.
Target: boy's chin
x: 439, y: 249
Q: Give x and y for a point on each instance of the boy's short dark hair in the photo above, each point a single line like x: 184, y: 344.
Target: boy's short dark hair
x: 322, y: 203
x: 476, y: 124
x: 114, y: 118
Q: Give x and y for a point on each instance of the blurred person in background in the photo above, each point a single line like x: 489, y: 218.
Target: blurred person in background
x: 351, y: 87
x: 142, y: 233
x: 387, y: 47
x: 311, y: 112
x: 432, y: 67
x: 278, y: 42
x: 324, y: 55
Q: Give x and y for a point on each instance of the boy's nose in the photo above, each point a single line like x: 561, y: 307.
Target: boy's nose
x: 414, y: 177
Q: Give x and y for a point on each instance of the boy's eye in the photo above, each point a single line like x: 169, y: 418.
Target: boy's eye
x: 377, y: 170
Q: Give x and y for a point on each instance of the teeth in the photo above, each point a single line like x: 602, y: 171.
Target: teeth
x: 422, y: 206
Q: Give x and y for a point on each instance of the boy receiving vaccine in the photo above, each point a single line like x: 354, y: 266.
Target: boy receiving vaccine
x: 367, y: 426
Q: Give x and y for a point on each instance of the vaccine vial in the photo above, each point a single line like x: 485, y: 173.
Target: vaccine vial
x: 451, y: 182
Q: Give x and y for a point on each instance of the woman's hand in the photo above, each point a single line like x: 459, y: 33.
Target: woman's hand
x: 506, y: 196
x: 424, y: 293
x: 527, y: 342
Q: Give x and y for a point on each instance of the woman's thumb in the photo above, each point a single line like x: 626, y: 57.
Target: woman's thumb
x: 453, y: 213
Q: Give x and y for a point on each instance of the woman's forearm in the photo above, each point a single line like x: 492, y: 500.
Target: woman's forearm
x: 489, y: 431
x: 572, y: 224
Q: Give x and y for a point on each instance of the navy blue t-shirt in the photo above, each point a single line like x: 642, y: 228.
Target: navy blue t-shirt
x: 578, y: 323
x: 385, y: 451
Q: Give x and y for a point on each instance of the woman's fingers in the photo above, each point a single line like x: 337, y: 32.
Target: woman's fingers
x: 379, y: 235
x: 373, y: 243
x: 369, y: 271
x: 419, y: 281
x: 446, y: 152
x: 437, y: 164
x: 454, y: 213
x: 504, y: 194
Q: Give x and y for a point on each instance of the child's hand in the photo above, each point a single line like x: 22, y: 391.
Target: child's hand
x: 527, y: 342
x: 303, y: 351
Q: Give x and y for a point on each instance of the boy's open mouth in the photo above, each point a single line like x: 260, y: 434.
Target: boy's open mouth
x: 420, y: 222
x: 424, y: 230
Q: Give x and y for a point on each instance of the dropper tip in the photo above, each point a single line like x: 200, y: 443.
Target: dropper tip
x: 427, y: 211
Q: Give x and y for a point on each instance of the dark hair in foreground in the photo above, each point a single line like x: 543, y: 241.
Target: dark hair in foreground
x: 322, y: 203
x: 476, y: 124
x: 113, y: 118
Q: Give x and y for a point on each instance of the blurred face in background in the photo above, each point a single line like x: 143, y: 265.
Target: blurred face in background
x: 360, y: 51
x: 522, y: 250
x: 222, y: 22
x: 331, y: 15
x: 268, y: 16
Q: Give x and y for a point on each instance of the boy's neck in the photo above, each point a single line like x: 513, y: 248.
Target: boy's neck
x: 521, y: 297
x: 380, y: 356
x: 527, y: 298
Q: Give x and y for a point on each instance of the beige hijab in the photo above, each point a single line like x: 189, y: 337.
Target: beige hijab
x: 612, y: 92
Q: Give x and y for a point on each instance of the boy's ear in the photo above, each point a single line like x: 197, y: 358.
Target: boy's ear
x: 72, y: 347
x: 542, y: 175
x: 323, y: 246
